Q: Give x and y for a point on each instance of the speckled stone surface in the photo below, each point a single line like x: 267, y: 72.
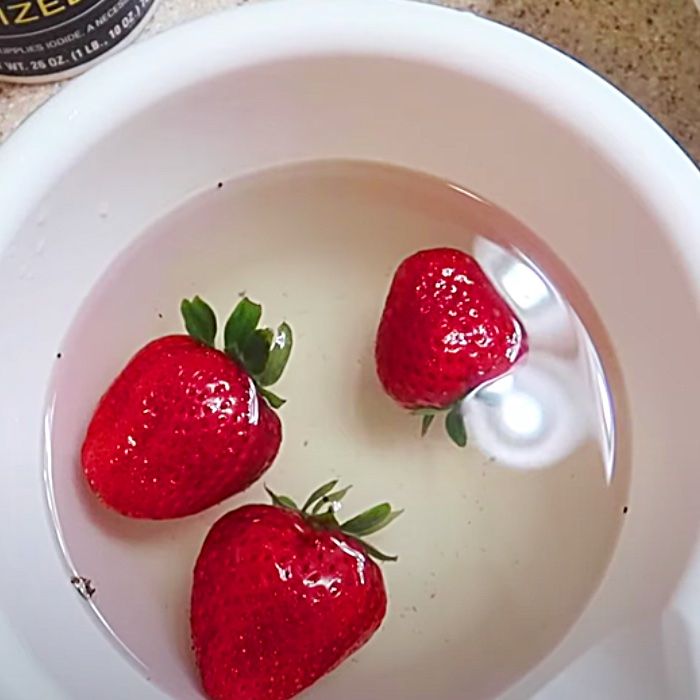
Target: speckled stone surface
x: 648, y: 48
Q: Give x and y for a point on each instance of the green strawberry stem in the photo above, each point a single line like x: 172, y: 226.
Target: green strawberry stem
x: 320, y: 509
x: 262, y: 352
x: 454, y: 421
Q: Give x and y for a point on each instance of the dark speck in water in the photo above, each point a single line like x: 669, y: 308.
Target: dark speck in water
x: 305, y: 443
x: 58, y: 356
x: 219, y: 184
x: 160, y: 315
x: 625, y: 509
x: 83, y: 586
x: 241, y: 293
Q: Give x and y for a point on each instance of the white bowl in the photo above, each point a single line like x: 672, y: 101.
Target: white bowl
x: 436, y: 91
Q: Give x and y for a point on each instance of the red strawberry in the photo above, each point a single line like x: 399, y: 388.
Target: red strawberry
x: 185, y: 426
x: 282, y: 595
x: 444, y: 331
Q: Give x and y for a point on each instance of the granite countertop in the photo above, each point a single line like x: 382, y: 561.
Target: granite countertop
x: 648, y: 48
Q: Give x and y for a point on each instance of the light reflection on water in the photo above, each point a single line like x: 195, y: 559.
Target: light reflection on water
x: 557, y: 397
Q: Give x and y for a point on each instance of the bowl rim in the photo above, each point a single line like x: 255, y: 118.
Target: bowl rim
x: 173, y: 66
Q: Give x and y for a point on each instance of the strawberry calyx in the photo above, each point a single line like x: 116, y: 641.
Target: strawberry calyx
x: 321, y: 507
x: 262, y: 352
x: 454, y: 421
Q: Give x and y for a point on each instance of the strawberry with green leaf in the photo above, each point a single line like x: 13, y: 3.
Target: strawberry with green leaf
x: 283, y: 594
x: 185, y: 425
x: 444, y: 332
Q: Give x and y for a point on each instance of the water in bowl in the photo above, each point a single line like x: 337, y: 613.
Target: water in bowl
x: 502, y: 543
